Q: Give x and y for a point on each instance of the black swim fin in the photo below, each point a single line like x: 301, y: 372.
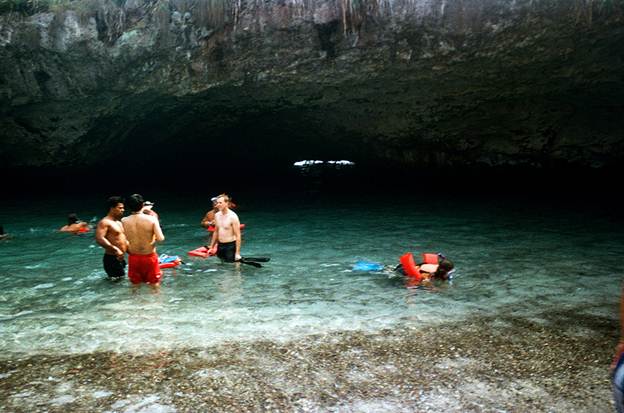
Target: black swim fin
x: 252, y: 263
x: 257, y: 259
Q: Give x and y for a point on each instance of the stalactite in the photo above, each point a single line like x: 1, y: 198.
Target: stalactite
x: 343, y: 5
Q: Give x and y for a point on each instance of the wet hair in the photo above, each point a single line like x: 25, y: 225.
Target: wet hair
x: 72, y: 219
x: 227, y: 199
x: 135, y: 202
x: 114, y: 200
x: 444, y: 267
x: 1, y: 230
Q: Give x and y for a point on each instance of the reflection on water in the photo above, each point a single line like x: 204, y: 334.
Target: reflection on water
x: 55, y: 298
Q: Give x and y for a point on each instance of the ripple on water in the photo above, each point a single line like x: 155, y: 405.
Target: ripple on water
x: 36, y: 266
x: 43, y: 286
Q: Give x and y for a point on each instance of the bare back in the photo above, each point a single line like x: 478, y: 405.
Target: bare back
x: 142, y: 232
x: 77, y: 227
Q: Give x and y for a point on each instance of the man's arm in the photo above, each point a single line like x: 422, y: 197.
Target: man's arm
x: 158, y: 231
x: 237, y: 234
x: 214, y: 240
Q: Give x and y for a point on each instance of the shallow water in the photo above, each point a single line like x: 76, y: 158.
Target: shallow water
x: 532, y: 257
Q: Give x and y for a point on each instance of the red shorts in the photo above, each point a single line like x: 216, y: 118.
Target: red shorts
x: 144, y: 268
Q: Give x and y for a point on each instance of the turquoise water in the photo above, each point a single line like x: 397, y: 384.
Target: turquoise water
x: 529, y: 258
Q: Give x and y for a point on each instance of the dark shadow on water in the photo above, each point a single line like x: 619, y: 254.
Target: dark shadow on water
x: 561, y: 187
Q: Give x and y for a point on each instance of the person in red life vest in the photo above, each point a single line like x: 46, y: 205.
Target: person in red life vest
x: 74, y: 225
x: 434, y: 266
x: 208, y: 219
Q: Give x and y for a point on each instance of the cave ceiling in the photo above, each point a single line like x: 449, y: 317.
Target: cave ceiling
x: 419, y: 84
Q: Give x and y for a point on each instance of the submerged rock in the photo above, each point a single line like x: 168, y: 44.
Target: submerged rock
x: 475, y: 365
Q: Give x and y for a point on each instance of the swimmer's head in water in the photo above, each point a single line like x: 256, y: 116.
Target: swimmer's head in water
x: 135, y: 202
x: 444, y: 267
x: 72, y: 219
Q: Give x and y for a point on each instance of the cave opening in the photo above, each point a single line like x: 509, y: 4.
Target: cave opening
x: 250, y: 140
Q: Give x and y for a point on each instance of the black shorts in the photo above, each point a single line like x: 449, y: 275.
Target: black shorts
x: 227, y: 251
x: 114, y: 268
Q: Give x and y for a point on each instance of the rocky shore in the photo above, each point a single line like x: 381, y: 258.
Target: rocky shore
x: 558, y: 363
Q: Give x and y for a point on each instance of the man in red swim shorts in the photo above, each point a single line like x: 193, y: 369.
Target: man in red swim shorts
x: 142, y: 232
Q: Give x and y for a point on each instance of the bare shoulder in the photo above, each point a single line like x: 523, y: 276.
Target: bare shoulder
x: 152, y: 219
x: 146, y: 217
x: 106, y: 221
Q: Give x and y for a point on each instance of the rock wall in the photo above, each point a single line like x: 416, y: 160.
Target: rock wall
x: 418, y: 83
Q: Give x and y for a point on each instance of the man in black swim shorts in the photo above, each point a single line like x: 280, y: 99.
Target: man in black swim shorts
x: 114, y: 267
x: 110, y: 234
x: 227, y: 231
x: 227, y: 251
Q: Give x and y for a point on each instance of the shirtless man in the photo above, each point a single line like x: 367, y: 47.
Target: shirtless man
x: 227, y: 232
x: 142, y: 231
x: 109, y: 233
x: 208, y: 219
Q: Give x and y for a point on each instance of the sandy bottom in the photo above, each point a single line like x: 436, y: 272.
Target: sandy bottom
x: 558, y: 363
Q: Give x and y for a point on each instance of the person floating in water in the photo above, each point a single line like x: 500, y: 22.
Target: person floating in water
x: 3, y: 235
x: 433, y: 266
x: 142, y: 232
x: 74, y: 225
x: 227, y: 232
x: 109, y: 233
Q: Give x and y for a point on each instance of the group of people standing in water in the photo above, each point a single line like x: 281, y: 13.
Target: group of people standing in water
x: 138, y: 233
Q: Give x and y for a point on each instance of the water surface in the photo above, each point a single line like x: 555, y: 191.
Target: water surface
x: 55, y: 297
